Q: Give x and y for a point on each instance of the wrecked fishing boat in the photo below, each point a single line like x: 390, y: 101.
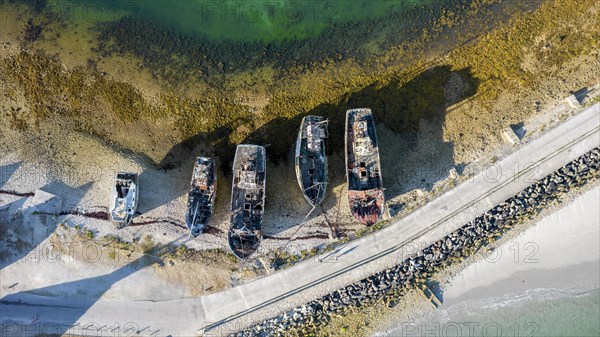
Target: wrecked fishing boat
x: 202, y: 195
x: 247, y: 200
x: 363, y: 172
x: 311, y: 160
x: 124, y: 199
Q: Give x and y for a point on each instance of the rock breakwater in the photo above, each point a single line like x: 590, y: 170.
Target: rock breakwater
x: 392, y: 283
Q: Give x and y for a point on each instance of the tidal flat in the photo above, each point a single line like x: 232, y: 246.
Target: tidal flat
x: 88, y: 89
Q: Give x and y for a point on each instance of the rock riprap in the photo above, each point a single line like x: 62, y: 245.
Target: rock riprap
x: 393, y: 282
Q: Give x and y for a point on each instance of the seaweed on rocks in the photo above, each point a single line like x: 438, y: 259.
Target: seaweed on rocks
x: 157, y: 43
x: 32, y: 31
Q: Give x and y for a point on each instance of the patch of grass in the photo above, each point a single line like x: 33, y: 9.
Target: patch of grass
x: 112, y: 255
x: 116, y: 243
x: 147, y: 245
x: 592, y: 101
x: 281, y: 259
x: 88, y: 234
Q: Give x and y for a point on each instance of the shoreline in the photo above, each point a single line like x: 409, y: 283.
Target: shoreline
x: 387, y: 286
x: 524, y: 314
x: 576, y: 279
x: 555, y: 268
x: 564, y: 242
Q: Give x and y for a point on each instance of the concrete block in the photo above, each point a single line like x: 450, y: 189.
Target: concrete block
x: 510, y: 137
x: 573, y: 102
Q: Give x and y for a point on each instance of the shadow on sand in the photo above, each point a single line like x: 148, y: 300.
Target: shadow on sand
x: 410, y: 117
x: 26, y: 236
x: 436, y: 289
x: 178, y: 166
x: 7, y: 171
x: 66, y: 319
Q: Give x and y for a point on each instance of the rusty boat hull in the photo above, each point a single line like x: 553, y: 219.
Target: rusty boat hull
x: 201, y: 197
x: 247, y: 200
x: 363, y: 171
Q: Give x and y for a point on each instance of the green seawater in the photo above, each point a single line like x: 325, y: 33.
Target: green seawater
x: 251, y: 20
x: 542, y: 312
x: 563, y: 316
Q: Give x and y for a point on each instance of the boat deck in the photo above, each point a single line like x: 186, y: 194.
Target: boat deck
x: 247, y: 200
x: 311, y: 159
x: 124, y: 198
x: 362, y: 152
x: 365, y: 187
x: 201, y: 196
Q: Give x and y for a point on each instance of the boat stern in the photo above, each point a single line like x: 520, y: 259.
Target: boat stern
x: 367, y: 206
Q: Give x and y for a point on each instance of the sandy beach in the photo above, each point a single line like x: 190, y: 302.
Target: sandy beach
x: 549, y: 264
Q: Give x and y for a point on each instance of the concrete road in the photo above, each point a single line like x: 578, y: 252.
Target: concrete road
x: 227, y: 311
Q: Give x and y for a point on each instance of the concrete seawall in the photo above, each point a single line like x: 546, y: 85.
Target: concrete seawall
x: 415, y: 269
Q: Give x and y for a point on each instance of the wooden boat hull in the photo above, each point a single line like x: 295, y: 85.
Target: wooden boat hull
x: 202, y: 195
x: 247, y: 200
x: 311, y: 159
x: 363, y: 171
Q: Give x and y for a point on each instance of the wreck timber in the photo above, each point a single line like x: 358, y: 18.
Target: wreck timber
x: 311, y: 159
x: 247, y: 200
x: 124, y: 199
x: 363, y: 172
x: 202, y: 195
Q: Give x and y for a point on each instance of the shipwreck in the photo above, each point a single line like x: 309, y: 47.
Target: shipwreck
x: 311, y: 159
x: 247, y: 200
x: 201, y: 197
x: 363, y: 172
x: 124, y: 199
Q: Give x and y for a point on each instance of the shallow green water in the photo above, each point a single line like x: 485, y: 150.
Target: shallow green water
x: 561, y: 316
x: 542, y: 312
x: 238, y: 20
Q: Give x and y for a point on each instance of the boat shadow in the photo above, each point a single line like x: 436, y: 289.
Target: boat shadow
x: 168, y: 180
x: 31, y: 227
x: 410, y: 116
x: 7, y: 171
x: 47, y: 320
